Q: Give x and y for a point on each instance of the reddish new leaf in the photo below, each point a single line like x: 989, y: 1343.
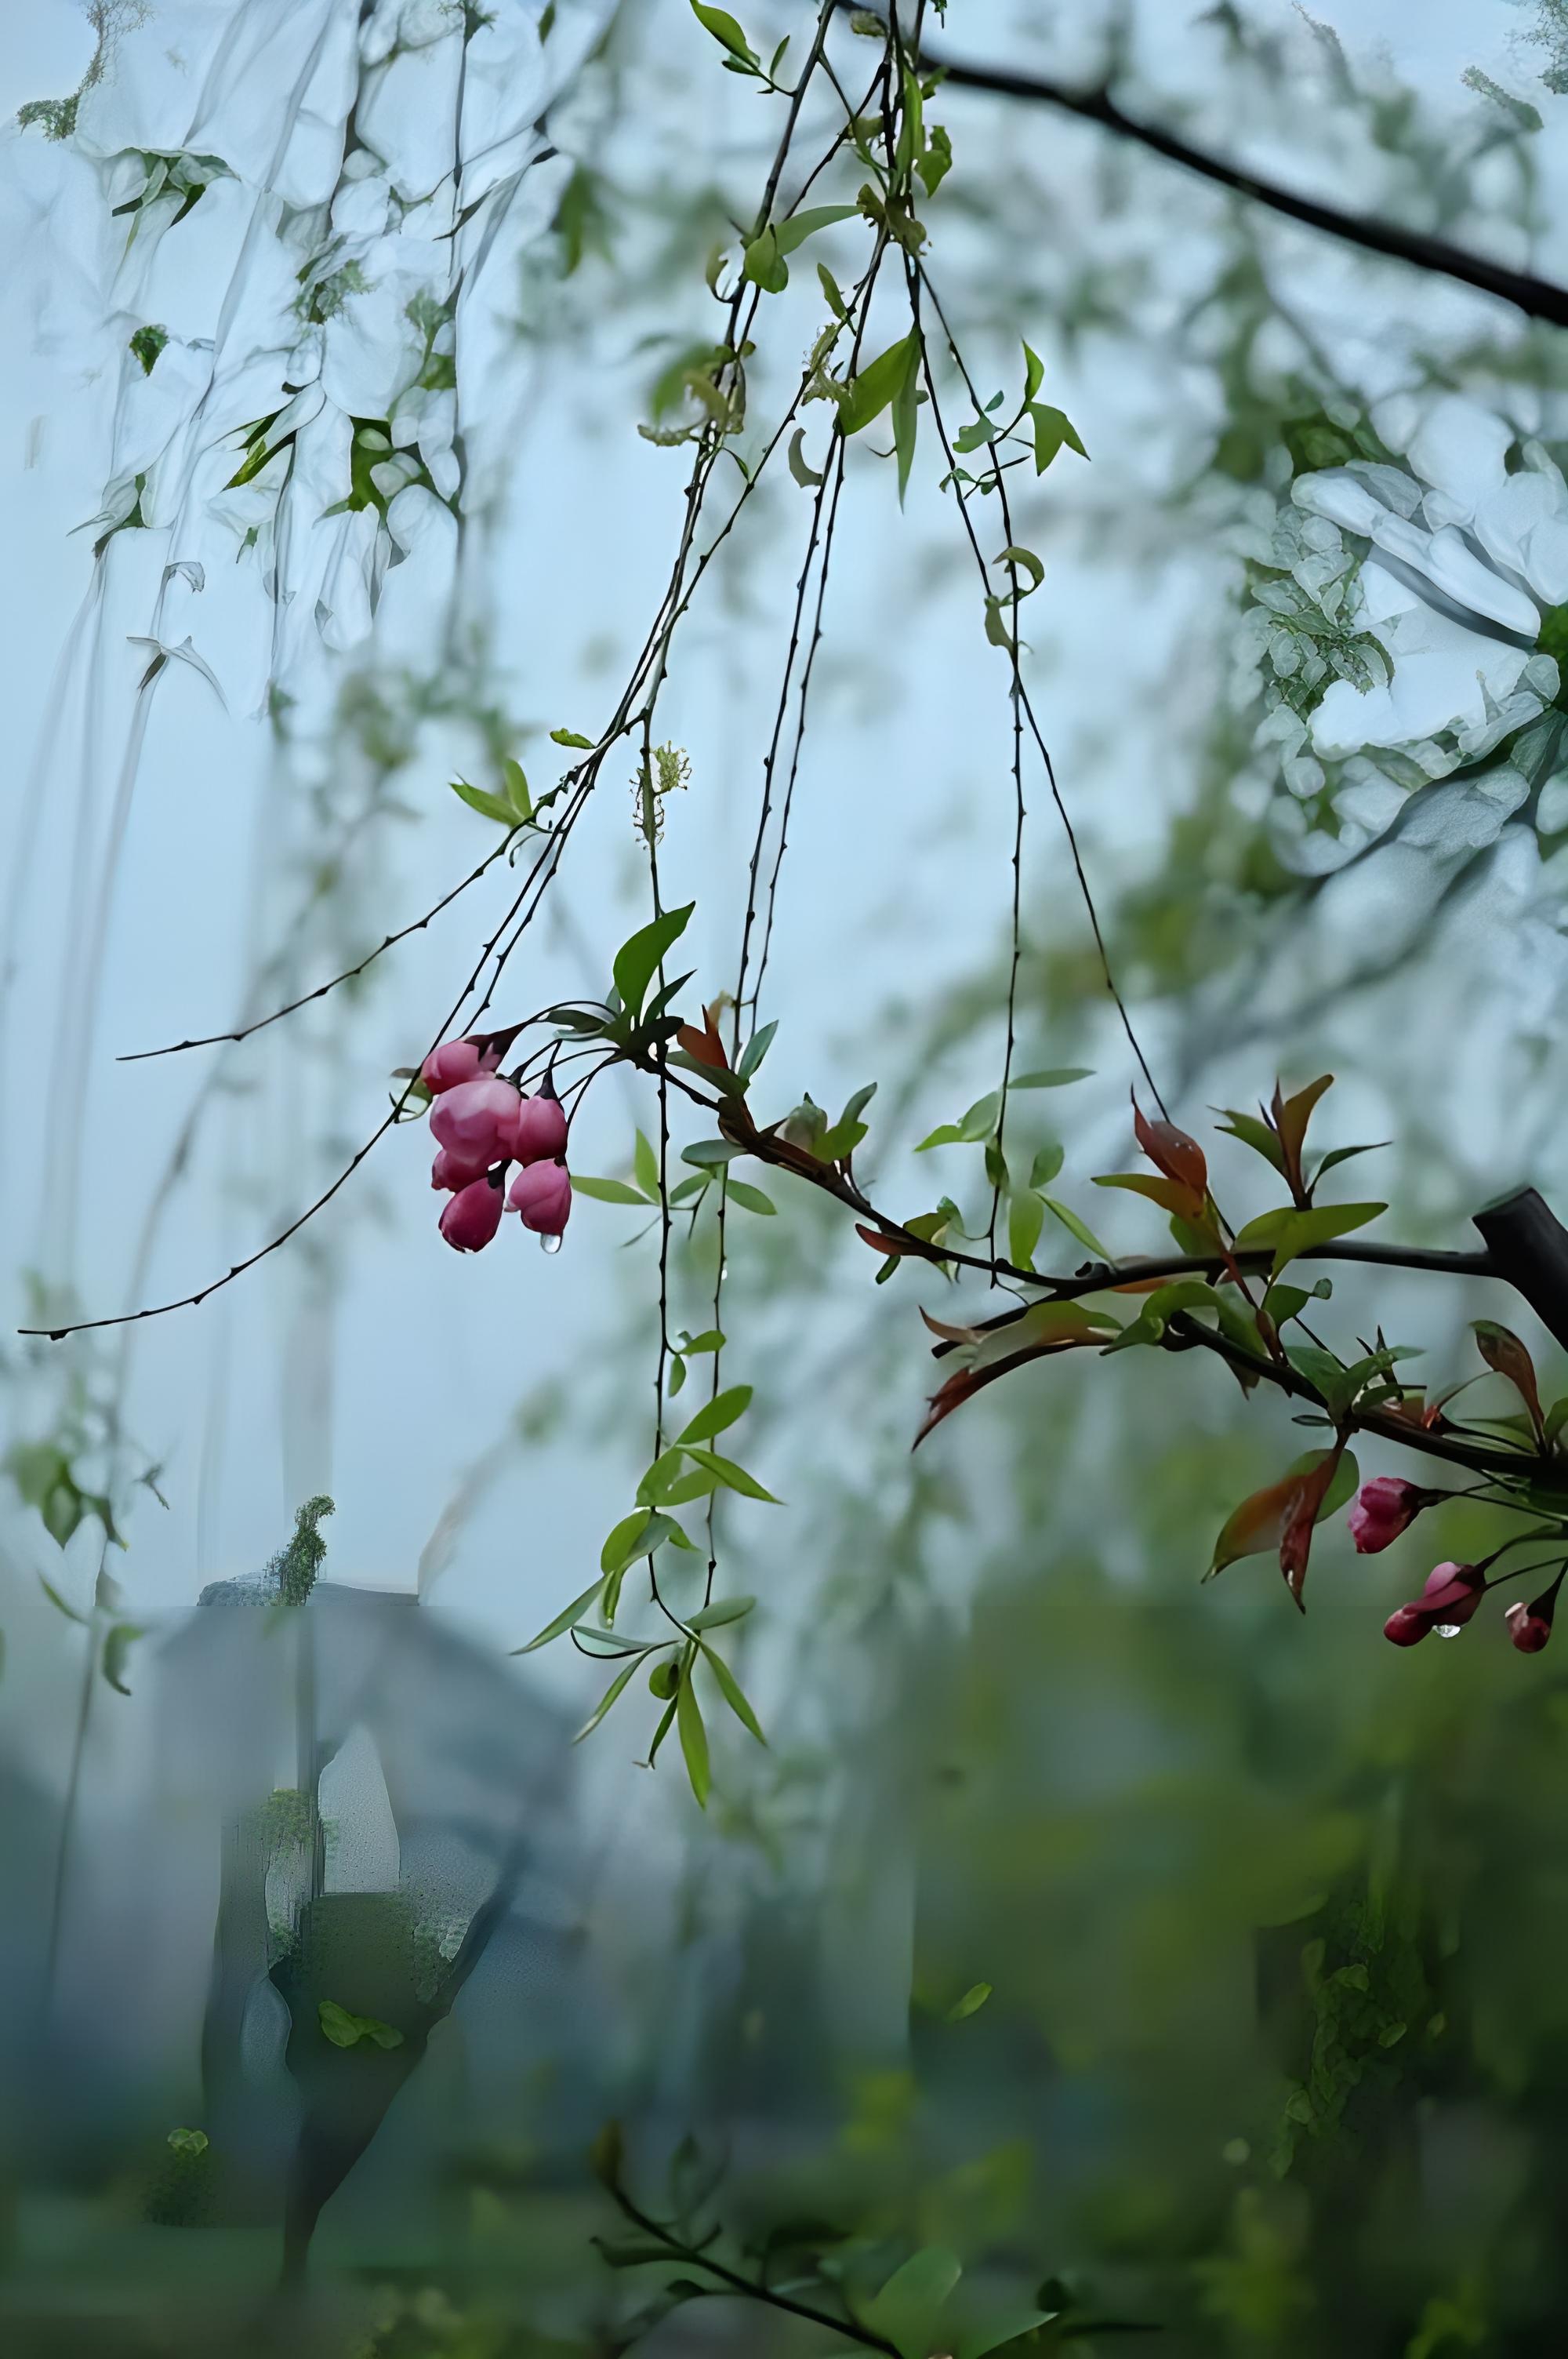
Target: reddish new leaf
x: 880, y: 1244
x: 1501, y: 1349
x: 705, y: 1046
x: 1291, y: 1116
x: 1170, y: 1150
x: 1280, y: 1518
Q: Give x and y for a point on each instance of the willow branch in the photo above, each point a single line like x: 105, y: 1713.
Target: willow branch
x: 1540, y: 298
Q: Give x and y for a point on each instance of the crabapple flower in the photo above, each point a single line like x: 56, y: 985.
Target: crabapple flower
x: 1529, y: 1626
x: 475, y: 1119
x: 472, y: 1217
x: 1451, y: 1596
x: 452, y: 1171
x: 541, y: 1193
x: 1383, y: 1509
x: 539, y: 1133
x: 456, y: 1061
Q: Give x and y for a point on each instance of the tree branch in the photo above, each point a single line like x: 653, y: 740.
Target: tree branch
x: 1539, y: 298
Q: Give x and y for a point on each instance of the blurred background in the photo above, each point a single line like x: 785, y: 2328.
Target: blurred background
x: 1267, y: 1917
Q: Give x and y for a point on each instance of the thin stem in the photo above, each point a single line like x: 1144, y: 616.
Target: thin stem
x: 693, y: 2256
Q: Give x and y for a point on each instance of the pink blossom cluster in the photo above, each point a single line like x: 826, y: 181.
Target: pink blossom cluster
x: 1387, y: 1507
x: 481, y: 1124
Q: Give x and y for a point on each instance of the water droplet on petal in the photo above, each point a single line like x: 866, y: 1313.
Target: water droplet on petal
x: 549, y: 1245
x: 1446, y: 1629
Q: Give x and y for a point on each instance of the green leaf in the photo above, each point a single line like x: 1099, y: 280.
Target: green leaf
x: 517, y: 794
x: 1052, y: 428
x: 617, y: 1688
x: 689, y: 1188
x: 750, y: 1199
x: 620, y: 1545
x: 655, y: 1485
x: 1033, y: 374
x: 879, y: 383
x: 755, y: 1049
x: 1075, y: 1227
x: 1045, y: 1166
x: 982, y: 1119
x: 906, y: 2310
x: 734, y: 1696
x: 693, y: 1739
x: 807, y: 477
x: 116, y: 1651
x: 713, y: 1617
x: 1056, y: 1078
x: 797, y: 227
x: 639, y: 959
x: 711, y: 1340
x: 708, y: 1154
x: 721, y: 1411
x: 972, y: 2001
x: 646, y: 1165
x: 58, y: 1602
x: 906, y: 428
x: 1289, y: 1232
x: 686, y: 1487
x: 1343, y: 1154
x: 63, y: 1510
x: 608, y: 1191
x: 1253, y: 1132
x: 346, y: 2030
x: 726, y: 31
x: 571, y: 738
x: 1025, y: 1219
x: 937, y: 161
x: 976, y: 434
x: 488, y: 806
x: 765, y: 265
x: 734, y: 1478
x: 946, y: 1133
x: 999, y: 2329
x: 565, y: 1620
x: 1015, y: 557
x: 830, y: 288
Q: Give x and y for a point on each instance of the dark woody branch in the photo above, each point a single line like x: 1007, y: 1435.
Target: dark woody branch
x: 1540, y: 298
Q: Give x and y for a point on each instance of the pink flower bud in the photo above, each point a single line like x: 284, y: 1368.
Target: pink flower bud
x: 539, y: 1133
x: 1453, y: 1592
x: 1529, y: 1626
x: 475, y: 1119
x: 1407, y: 1625
x: 1383, y: 1509
x: 541, y: 1193
x: 472, y: 1217
x: 452, y: 1171
x: 456, y: 1061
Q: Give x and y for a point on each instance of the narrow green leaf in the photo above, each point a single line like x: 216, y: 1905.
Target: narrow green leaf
x: 617, y: 1688
x: 830, y: 288
x: 56, y: 1600
x: 687, y: 1487
x: 1025, y: 1219
x: 946, y: 1133
x: 517, y: 794
x: 806, y: 476
x: 755, y: 1049
x: 733, y: 1477
x: 116, y: 1652
x: 1025, y: 558
x: 693, y: 1738
x: 1056, y: 1078
x: 488, y: 806
x: 721, y: 1411
x: 638, y: 960
x: 725, y: 31
x: 797, y: 227
x: 571, y: 738
x: 1033, y: 374
x: 980, y: 1120
x: 565, y: 1620
x: 731, y: 1689
x: 972, y: 2001
x: 750, y: 1199
x: 1075, y: 1227
x: 711, y: 1340
x: 713, y: 1617
x: 906, y: 2310
x: 879, y: 383
x: 645, y: 1168
x: 620, y: 1545
x: 707, y: 1154
x: 1289, y: 1231
x: 608, y: 1191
